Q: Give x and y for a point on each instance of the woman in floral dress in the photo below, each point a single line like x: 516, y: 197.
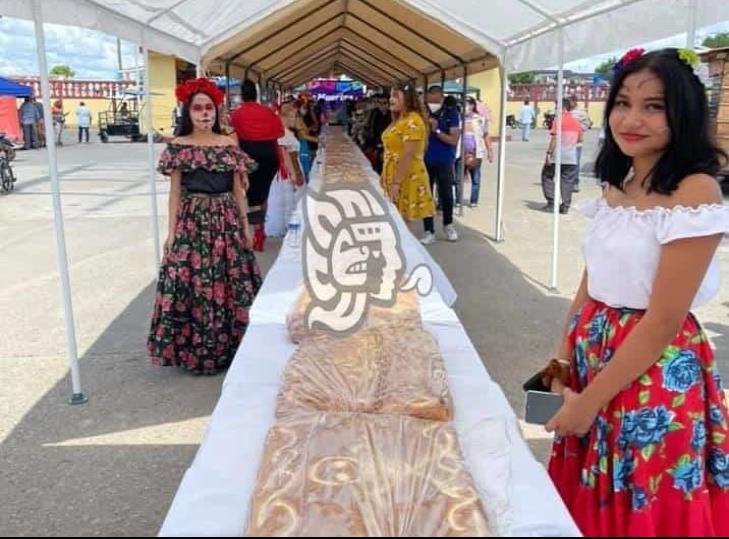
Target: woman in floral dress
x: 404, y: 176
x: 209, y: 276
x: 642, y: 445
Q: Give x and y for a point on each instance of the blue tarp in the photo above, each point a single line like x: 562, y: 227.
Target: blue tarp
x: 10, y: 88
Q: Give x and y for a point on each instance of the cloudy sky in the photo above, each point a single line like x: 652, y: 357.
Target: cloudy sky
x: 93, y: 55
x: 588, y: 64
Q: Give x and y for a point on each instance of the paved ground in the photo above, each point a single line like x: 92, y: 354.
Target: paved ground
x: 112, y: 466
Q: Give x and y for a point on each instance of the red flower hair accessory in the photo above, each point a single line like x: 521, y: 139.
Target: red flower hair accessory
x: 187, y: 89
x: 627, y: 58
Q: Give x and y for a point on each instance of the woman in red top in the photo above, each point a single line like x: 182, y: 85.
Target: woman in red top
x: 258, y: 129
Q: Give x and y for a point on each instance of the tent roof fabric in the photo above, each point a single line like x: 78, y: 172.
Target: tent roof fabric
x: 13, y: 89
x: 402, y: 39
x: 383, y: 40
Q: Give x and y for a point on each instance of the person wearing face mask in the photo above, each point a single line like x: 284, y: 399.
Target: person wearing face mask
x: 440, y: 159
x: 209, y: 277
x: 258, y: 129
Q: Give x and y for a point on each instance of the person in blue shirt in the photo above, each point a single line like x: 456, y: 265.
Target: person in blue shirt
x: 440, y: 158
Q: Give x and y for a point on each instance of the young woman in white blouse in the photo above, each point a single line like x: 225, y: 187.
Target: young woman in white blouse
x: 642, y: 446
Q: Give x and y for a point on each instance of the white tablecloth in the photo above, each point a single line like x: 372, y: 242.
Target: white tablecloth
x: 213, y: 498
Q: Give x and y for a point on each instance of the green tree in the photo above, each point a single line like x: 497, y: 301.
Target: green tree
x: 522, y: 78
x: 717, y: 41
x: 607, y: 66
x: 63, y: 71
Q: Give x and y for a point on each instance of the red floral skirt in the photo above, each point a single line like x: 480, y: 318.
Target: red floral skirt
x: 206, y: 285
x: 656, y: 461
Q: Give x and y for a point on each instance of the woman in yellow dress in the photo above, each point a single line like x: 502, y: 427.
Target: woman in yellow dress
x: 404, y: 176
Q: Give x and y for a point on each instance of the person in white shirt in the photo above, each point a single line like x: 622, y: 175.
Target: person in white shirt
x: 287, y: 188
x: 526, y: 118
x: 83, y: 119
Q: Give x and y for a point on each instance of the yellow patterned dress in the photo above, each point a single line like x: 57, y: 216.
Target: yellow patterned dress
x: 416, y: 199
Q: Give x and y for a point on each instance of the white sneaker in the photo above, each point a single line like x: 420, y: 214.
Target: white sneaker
x: 428, y: 239
x: 451, y: 233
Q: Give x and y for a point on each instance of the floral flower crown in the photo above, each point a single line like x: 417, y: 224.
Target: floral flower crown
x: 687, y: 56
x: 627, y: 58
x: 187, y: 89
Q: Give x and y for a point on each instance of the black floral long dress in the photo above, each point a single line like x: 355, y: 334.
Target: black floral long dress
x: 209, y: 279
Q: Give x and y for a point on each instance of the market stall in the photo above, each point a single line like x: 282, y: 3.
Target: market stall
x: 9, y: 123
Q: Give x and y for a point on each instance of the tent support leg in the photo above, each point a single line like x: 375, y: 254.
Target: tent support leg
x: 557, y: 169
x: 501, y: 174
x: 461, y: 171
x: 77, y: 396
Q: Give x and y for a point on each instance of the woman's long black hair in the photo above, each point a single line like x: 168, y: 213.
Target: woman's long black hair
x: 691, y: 148
x: 310, y: 116
x: 186, y: 126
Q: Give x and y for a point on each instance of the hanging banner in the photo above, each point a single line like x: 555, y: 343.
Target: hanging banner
x: 335, y: 90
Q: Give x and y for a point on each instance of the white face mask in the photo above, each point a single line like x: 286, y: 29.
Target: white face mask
x: 434, y: 107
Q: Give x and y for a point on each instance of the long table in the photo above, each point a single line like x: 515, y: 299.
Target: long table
x: 213, y: 498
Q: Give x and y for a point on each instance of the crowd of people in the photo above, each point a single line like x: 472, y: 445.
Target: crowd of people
x: 414, y: 142
x: 223, y: 166
x: 30, y: 115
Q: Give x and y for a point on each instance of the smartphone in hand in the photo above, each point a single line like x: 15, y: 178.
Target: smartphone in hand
x: 541, y: 407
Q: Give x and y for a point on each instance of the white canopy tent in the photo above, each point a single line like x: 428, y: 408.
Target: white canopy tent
x: 422, y: 39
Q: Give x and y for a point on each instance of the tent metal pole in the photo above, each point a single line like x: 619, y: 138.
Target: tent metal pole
x: 227, y: 84
x: 78, y: 396
x: 501, y: 175
x: 151, y: 159
x: 691, y: 33
x: 558, y: 168
x: 462, y: 142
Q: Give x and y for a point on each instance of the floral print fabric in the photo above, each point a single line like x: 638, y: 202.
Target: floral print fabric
x: 188, y: 157
x: 656, y: 461
x: 416, y: 200
x: 209, y: 279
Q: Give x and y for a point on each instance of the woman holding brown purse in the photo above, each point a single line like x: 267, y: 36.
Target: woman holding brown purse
x: 477, y: 146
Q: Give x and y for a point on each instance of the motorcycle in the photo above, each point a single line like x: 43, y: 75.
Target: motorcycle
x: 7, y: 146
x: 513, y: 123
x: 7, y: 154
